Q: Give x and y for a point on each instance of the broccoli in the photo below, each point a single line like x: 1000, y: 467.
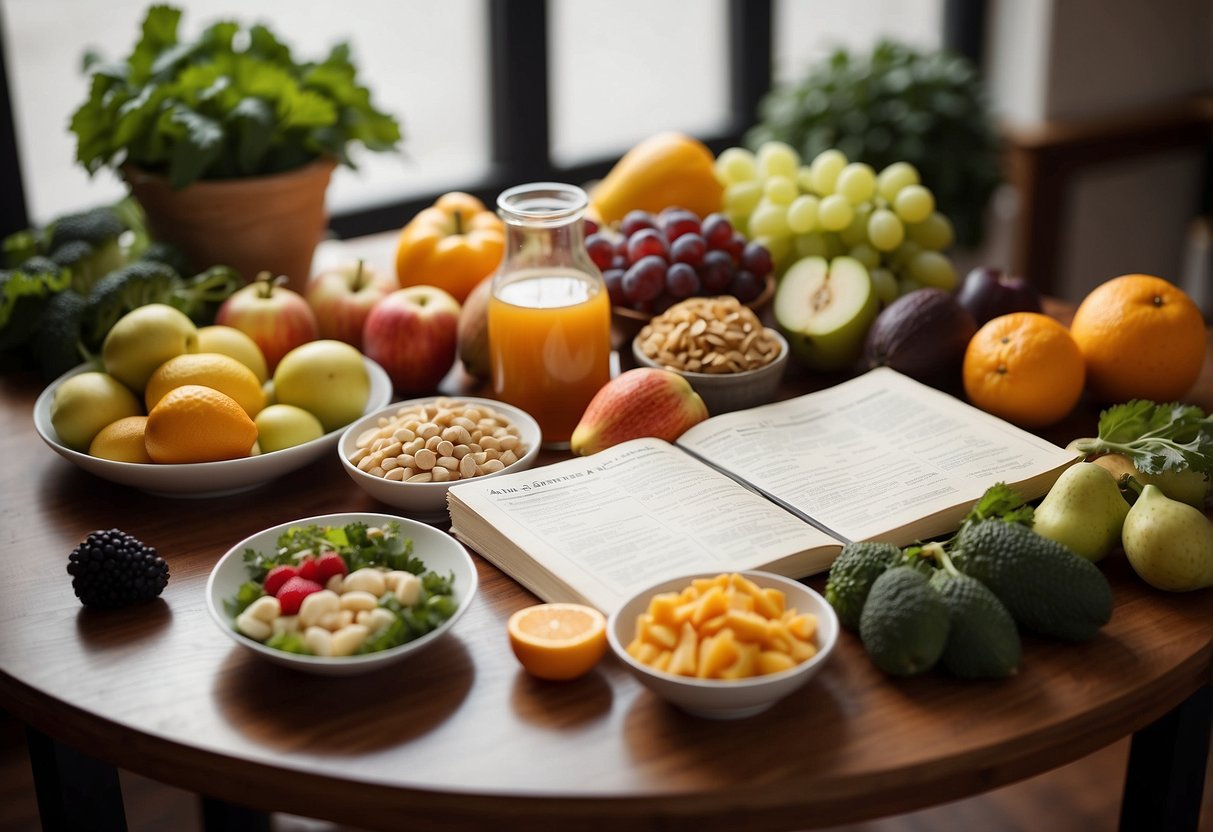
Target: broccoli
x: 101, y: 230
x: 20, y: 246
x: 165, y: 252
x: 202, y: 294
x: 96, y: 226
x: 56, y: 344
x: 134, y: 285
x: 24, y: 293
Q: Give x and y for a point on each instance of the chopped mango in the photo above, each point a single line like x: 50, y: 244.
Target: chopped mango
x: 662, y: 608
x: 662, y: 636
x: 772, y: 661
x: 746, y: 664
x: 716, y: 653
x: 749, y: 626
x: 684, y: 658
x: 709, y: 605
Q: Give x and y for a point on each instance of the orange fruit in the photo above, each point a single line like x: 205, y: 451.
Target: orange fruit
x: 121, y: 441
x: 558, y: 641
x: 193, y: 423
x: 1142, y: 338
x: 210, y: 369
x: 1025, y: 368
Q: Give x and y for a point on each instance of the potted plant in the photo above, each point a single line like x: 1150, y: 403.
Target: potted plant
x: 227, y: 141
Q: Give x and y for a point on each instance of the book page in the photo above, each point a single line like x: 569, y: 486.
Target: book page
x: 600, y: 528
x: 877, y: 457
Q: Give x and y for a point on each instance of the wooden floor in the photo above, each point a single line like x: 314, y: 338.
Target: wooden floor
x: 1083, y: 795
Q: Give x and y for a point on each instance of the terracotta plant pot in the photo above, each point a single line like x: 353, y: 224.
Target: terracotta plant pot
x: 267, y: 223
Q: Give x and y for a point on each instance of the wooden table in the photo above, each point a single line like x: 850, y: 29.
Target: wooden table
x: 461, y: 738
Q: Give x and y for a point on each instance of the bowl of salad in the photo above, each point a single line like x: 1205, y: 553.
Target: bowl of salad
x: 340, y: 594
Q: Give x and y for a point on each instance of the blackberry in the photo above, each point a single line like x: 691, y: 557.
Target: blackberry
x: 111, y: 569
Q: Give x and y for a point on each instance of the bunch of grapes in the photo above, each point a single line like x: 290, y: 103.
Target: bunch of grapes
x: 657, y: 260
x: 832, y: 207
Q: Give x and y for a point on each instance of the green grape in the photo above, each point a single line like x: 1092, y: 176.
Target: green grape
x: 856, y: 231
x: 810, y: 245
x: 865, y: 254
x: 885, y: 231
x: 826, y: 167
x: 735, y: 164
x: 780, y: 190
x: 742, y: 197
x: 777, y: 159
x: 768, y: 220
x: 835, y: 247
x: 934, y: 233
x: 907, y: 285
x: 914, y: 203
x: 779, y: 247
x: 895, y: 177
x: 802, y: 214
x: 857, y: 182
x: 930, y: 268
x: 834, y: 213
x: 804, y: 178
x: 900, y: 258
x: 885, y: 284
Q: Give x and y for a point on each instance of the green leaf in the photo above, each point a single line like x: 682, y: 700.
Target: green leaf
x: 199, y: 147
x: 1156, y: 437
x: 1001, y: 502
x: 255, y: 129
x: 247, y: 594
x: 159, y: 34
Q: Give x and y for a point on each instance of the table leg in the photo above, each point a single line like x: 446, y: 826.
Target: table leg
x: 74, y: 791
x: 1165, y: 780
x: 218, y: 816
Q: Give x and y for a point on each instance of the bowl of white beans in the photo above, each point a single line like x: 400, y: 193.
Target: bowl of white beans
x: 407, y: 455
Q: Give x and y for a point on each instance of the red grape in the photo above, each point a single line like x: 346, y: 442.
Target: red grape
x: 647, y: 242
x: 635, y: 220
x: 717, y: 230
x: 601, y: 250
x: 591, y: 227
x: 645, y: 279
x: 620, y: 261
x: 614, y: 284
x: 756, y: 258
x: 689, y: 248
x: 735, y: 246
x: 678, y: 221
x: 746, y: 286
x: 681, y: 280
x: 716, y: 272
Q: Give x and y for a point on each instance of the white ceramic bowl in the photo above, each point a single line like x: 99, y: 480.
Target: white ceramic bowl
x: 201, y: 479
x: 726, y: 392
x: 426, y: 501
x: 719, y: 698
x: 438, y: 551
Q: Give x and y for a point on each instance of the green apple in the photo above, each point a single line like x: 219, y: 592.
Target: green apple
x: 1084, y: 511
x: 824, y: 308
x: 83, y: 404
x: 1168, y: 543
x: 327, y: 379
x: 145, y: 338
x: 285, y: 426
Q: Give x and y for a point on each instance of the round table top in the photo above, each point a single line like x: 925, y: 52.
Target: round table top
x: 460, y: 737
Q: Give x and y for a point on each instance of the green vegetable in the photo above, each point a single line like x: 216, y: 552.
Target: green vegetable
x: 232, y: 103
x: 57, y: 344
x: 288, y: 643
x: 89, y: 243
x: 852, y: 574
x: 249, y: 592
x: 983, y: 642
x: 1155, y: 437
x: 24, y: 293
x: 904, y: 625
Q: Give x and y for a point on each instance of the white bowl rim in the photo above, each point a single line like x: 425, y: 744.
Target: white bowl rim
x: 220, y: 617
x: 824, y: 647
x: 691, y: 375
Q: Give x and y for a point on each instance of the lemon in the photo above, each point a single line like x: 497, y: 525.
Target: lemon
x: 193, y: 423
x: 285, y: 426
x: 121, y: 441
x: 83, y: 404
x: 210, y: 369
x: 145, y: 338
x: 235, y: 343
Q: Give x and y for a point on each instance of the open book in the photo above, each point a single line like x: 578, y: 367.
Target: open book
x: 779, y: 487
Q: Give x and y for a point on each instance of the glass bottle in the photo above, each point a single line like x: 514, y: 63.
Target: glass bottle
x: 549, y: 317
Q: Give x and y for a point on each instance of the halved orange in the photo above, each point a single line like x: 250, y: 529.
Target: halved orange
x: 558, y: 641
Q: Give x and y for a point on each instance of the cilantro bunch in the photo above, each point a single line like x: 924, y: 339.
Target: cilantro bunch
x: 1155, y: 437
x: 232, y: 103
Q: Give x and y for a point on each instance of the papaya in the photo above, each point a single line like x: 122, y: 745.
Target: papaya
x: 664, y: 170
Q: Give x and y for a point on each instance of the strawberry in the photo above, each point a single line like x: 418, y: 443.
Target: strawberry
x: 291, y: 594
x: 328, y: 565
x: 307, y: 569
x: 276, y: 577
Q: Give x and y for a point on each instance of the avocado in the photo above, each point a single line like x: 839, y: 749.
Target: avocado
x: 1047, y: 588
x: 922, y: 334
x: 982, y: 640
x: 904, y: 625
x: 857, y: 566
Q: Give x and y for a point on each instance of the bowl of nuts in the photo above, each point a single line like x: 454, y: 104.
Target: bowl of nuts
x: 721, y: 347
x: 408, y: 454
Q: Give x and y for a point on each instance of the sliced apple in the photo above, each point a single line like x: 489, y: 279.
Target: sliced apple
x: 824, y: 308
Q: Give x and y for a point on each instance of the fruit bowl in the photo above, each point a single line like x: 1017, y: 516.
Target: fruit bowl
x: 201, y: 479
x: 440, y: 552
x: 426, y: 501
x: 725, y: 698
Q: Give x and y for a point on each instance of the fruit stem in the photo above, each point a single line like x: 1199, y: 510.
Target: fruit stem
x: 939, y: 553
x: 1130, y: 486
x: 266, y: 283
x: 358, y: 275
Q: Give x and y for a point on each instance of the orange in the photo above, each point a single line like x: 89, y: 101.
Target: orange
x: 558, y: 641
x: 121, y: 441
x: 1025, y: 368
x: 193, y: 423
x: 1141, y: 337
x: 210, y: 369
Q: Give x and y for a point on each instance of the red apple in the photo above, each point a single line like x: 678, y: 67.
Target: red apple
x: 342, y: 297
x: 272, y: 315
x: 412, y: 333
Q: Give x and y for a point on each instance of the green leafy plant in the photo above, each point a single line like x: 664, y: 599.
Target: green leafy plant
x: 232, y: 103
x: 1157, y: 437
x: 927, y: 108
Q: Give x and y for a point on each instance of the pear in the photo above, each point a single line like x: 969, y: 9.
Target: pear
x: 1083, y: 511
x: 1168, y: 543
x: 1187, y: 486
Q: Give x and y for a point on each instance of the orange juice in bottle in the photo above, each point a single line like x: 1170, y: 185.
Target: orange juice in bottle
x: 549, y: 317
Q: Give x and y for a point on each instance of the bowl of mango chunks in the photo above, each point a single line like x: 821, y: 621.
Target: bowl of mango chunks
x: 724, y: 645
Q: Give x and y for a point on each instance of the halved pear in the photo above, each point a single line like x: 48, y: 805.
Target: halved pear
x: 824, y: 308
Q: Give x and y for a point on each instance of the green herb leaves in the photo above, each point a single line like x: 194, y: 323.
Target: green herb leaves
x: 1156, y: 437
x: 232, y: 103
